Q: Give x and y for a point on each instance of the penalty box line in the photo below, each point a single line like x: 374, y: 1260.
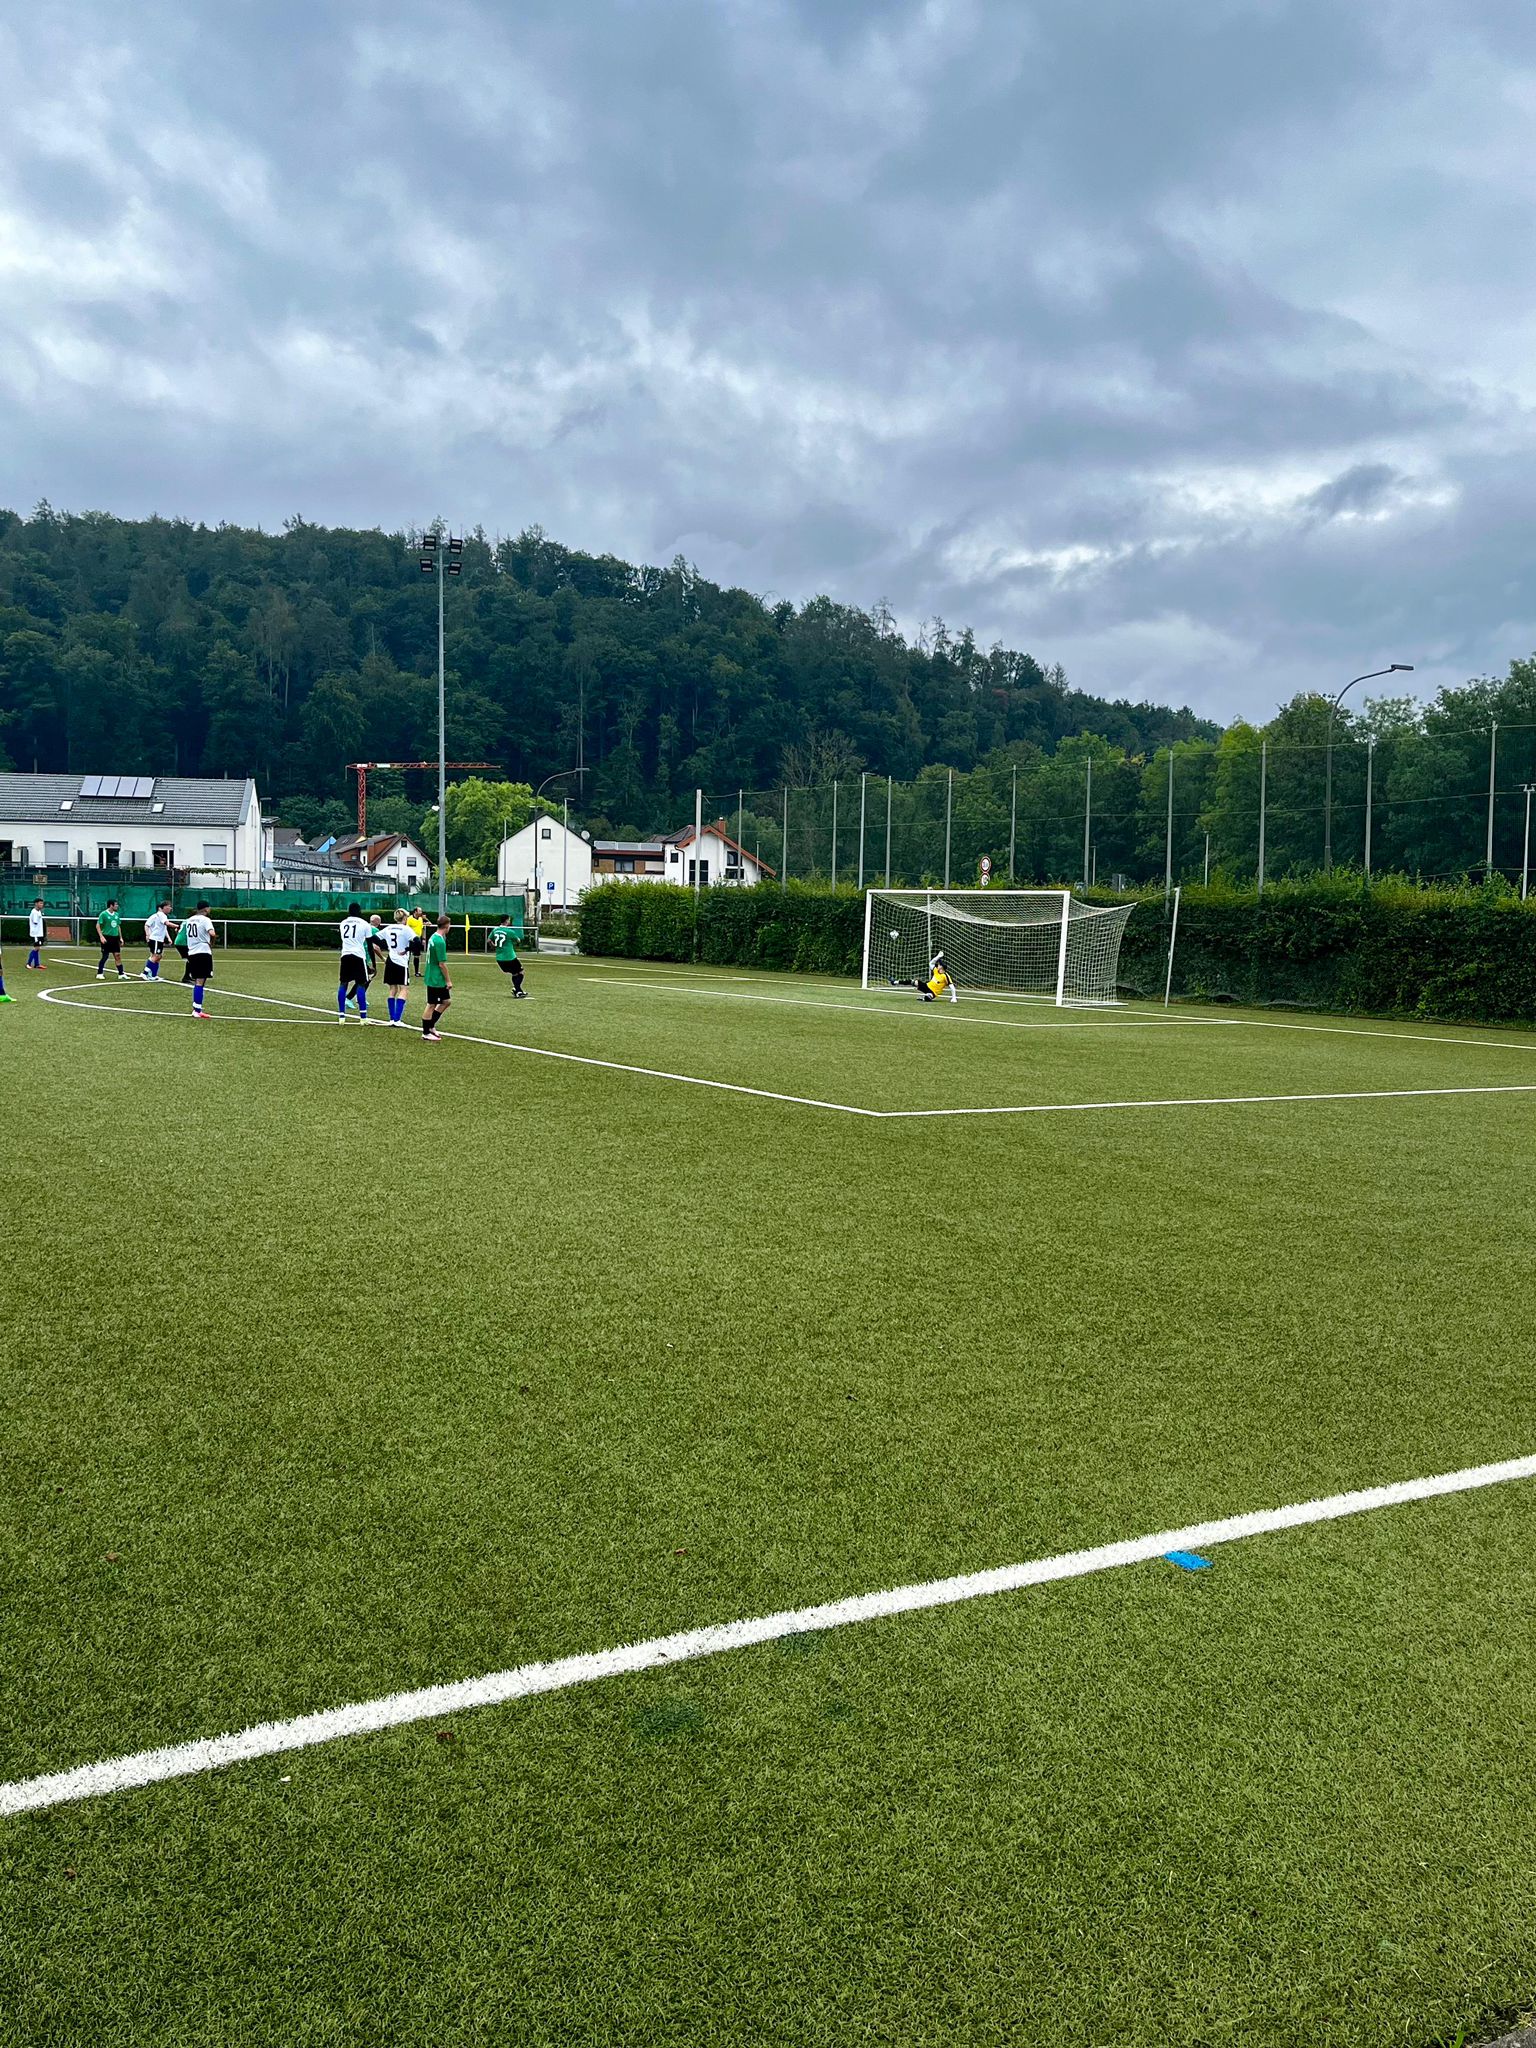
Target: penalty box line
x: 525, y: 1681
x: 1127, y: 1017
x: 539, y: 1052
x: 899, y: 1115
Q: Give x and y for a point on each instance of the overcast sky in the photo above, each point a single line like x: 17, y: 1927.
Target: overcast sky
x: 1191, y: 343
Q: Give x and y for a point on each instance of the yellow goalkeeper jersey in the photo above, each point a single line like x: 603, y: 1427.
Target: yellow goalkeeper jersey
x: 937, y: 982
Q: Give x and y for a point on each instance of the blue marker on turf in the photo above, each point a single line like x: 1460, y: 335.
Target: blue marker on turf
x: 1187, y: 1561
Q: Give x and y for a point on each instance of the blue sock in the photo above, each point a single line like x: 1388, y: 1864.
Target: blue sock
x: 154, y: 970
x: 197, y: 994
x: 32, y: 959
x: 2, y: 984
x: 341, y: 1000
x: 362, y: 1004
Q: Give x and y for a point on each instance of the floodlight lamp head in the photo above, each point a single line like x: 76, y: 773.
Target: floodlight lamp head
x: 1401, y: 668
x: 427, y: 565
x: 455, y: 544
x: 455, y: 568
x: 429, y: 543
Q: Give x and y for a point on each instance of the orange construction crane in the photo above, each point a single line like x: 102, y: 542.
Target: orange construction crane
x: 363, y: 767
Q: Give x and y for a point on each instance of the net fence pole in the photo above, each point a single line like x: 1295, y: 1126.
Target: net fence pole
x: 1370, y: 777
x: 739, y: 819
x: 949, y: 808
x: 784, y: 866
x: 1087, y: 821
x: 863, y: 791
x: 1525, y: 857
x: 869, y: 912
x: 1168, y: 837
x: 834, y: 831
x: 889, y: 786
x: 1263, y: 805
x: 698, y: 854
x: 1173, y: 933
x: 1493, y: 756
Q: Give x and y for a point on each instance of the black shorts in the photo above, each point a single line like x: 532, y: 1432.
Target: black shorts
x: 156, y: 948
x: 438, y: 998
x: 509, y: 966
x: 200, y: 966
x: 394, y: 974
x: 112, y: 945
x: 354, y: 972
x: 418, y: 947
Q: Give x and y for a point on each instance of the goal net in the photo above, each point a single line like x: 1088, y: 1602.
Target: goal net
x: 1039, y: 943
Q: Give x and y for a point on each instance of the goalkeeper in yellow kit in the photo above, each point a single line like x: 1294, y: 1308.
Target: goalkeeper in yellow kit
x: 937, y: 985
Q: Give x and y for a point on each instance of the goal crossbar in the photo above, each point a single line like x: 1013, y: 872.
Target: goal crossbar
x: 1042, y: 945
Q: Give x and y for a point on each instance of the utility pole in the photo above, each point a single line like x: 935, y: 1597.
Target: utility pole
x: 1168, y: 840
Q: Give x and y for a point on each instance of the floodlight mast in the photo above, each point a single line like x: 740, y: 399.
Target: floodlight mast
x: 447, y: 561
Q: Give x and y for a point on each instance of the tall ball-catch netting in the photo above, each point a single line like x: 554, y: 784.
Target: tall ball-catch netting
x: 1039, y: 943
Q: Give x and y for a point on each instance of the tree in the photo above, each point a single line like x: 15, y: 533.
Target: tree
x: 481, y: 814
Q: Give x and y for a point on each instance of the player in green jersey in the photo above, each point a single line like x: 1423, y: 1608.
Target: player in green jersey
x: 504, y: 941
x: 439, y: 989
x: 109, y: 930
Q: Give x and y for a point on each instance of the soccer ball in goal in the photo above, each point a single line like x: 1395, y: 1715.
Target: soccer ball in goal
x: 1039, y: 943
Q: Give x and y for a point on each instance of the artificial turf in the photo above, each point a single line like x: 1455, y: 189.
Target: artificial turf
x: 373, y: 1364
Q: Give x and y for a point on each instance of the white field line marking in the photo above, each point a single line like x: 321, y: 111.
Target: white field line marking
x: 1217, y: 1101
x: 71, y: 1002
x: 1126, y: 1019
x: 523, y: 1681
x: 953, y: 1013
x: 904, y: 1115
x: 543, y: 1052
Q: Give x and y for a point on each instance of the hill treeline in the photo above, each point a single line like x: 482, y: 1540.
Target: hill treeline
x: 158, y: 646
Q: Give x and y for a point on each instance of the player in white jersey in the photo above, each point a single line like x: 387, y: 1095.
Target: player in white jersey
x: 357, y: 942
x: 158, y: 927
x: 37, y: 931
x: 398, y: 940
x: 197, y: 935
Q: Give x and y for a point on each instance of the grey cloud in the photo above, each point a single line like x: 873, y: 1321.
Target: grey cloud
x: 1183, y: 344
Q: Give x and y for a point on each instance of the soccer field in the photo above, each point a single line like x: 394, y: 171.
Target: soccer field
x: 340, y: 1367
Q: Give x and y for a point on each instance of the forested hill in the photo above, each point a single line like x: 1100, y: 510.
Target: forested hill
x: 145, y: 646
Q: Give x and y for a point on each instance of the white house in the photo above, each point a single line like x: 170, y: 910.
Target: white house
x: 388, y: 854
x: 568, y: 863
x: 203, y: 827
x: 545, y: 859
x: 671, y: 858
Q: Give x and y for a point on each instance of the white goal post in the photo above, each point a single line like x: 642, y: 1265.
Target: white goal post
x: 1040, y: 944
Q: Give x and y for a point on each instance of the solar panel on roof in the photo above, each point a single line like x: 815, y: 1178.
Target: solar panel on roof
x: 91, y: 786
x: 143, y: 785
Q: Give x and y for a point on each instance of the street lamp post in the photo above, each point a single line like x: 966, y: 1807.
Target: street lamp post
x: 441, y: 562
x: 1395, y: 668
x: 537, y: 899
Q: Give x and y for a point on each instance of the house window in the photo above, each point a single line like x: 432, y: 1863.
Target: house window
x: 546, y: 832
x: 214, y: 854
x: 162, y: 856
x: 673, y: 854
x: 698, y: 871
x: 623, y: 867
x: 109, y: 856
x: 55, y: 853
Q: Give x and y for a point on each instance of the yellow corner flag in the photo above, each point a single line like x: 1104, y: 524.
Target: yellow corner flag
x: 466, y: 931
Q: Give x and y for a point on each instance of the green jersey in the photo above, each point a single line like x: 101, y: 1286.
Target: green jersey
x: 436, y: 975
x: 504, y: 939
x: 111, y: 924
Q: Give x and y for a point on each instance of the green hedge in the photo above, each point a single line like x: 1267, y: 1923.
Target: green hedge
x: 800, y: 927
x: 1390, y: 947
